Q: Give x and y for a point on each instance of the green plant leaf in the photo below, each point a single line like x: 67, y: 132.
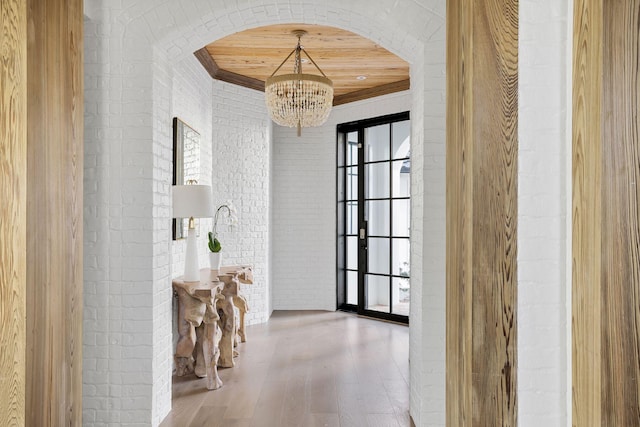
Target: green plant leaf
x: 214, y: 244
x: 217, y: 247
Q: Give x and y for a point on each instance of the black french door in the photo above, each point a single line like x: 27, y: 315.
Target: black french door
x: 373, y: 183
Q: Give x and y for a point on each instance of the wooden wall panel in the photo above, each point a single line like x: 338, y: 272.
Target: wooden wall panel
x: 620, y: 289
x: 13, y: 167
x: 606, y: 213
x: 495, y: 172
x: 586, y: 211
x: 54, y: 213
x: 482, y: 150
x: 459, y: 205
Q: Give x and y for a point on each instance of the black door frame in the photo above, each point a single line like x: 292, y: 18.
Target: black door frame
x: 341, y: 228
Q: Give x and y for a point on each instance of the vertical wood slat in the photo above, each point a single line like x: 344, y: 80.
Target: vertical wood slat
x: 606, y: 217
x: 620, y: 288
x: 459, y: 212
x: 495, y: 153
x: 54, y: 213
x: 13, y: 167
x: 482, y: 112
x: 586, y: 212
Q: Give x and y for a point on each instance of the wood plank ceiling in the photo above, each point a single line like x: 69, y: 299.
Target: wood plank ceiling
x: 249, y: 57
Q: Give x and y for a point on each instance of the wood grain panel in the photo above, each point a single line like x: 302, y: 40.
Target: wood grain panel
x: 13, y: 167
x: 586, y: 211
x: 620, y: 288
x: 359, y: 95
x: 482, y: 150
x: 495, y: 154
x: 54, y: 213
x: 606, y: 218
x: 226, y: 76
x: 459, y: 212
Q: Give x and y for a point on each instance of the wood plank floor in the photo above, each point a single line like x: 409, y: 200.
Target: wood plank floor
x: 306, y: 369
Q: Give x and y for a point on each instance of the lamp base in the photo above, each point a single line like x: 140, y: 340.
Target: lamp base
x: 191, y: 264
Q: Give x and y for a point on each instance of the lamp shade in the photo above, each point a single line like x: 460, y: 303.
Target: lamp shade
x: 192, y: 201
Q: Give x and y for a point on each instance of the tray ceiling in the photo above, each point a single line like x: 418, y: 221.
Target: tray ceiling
x: 358, y: 67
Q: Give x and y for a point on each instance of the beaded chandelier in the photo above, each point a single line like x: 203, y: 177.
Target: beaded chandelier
x: 299, y: 100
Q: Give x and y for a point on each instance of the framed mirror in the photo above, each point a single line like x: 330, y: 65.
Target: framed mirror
x: 186, y: 165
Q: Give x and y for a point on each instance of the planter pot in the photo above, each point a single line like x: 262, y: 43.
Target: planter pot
x: 215, y: 259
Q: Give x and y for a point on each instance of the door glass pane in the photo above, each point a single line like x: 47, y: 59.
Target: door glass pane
x: 377, y: 293
x: 401, y: 293
x: 401, y: 178
x: 378, y: 255
x: 378, y: 220
x: 401, y: 217
x: 377, y: 180
x: 352, y: 148
x: 352, y: 218
x: 376, y: 143
x: 401, y: 132
x: 400, y: 258
x: 352, y: 287
x: 352, y: 253
x: 352, y: 183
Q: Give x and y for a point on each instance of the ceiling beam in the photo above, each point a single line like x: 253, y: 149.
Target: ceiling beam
x: 226, y: 76
x: 359, y: 95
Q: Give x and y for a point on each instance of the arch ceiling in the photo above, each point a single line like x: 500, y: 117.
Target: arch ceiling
x: 358, y: 67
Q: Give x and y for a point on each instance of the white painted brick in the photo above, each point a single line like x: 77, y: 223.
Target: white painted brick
x: 543, y: 236
x: 141, y: 75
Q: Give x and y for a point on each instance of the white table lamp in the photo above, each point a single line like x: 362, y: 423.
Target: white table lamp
x: 192, y: 201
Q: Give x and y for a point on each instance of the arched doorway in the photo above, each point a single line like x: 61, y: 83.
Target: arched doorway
x: 153, y: 37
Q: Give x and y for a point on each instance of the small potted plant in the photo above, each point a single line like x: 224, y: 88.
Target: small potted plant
x: 215, y: 247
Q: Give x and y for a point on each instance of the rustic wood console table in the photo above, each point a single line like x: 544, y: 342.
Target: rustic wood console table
x: 207, y: 323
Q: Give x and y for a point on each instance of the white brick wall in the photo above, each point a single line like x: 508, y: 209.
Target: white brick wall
x: 132, y: 49
x: 118, y: 218
x: 543, y: 193
x: 241, y: 166
x: 430, y: 226
x: 163, y: 170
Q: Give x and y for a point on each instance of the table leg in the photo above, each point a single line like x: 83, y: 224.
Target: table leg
x: 198, y: 352
x: 186, y: 341
x: 211, y: 337
x: 241, y: 303
x: 228, y: 326
x: 190, y: 315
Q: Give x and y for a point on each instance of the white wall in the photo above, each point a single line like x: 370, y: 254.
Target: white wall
x: 241, y: 167
x: 123, y: 253
x: 161, y: 295
x: 543, y: 194
x: 428, y: 225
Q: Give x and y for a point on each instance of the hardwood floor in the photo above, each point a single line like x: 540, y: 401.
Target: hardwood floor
x: 305, y: 369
